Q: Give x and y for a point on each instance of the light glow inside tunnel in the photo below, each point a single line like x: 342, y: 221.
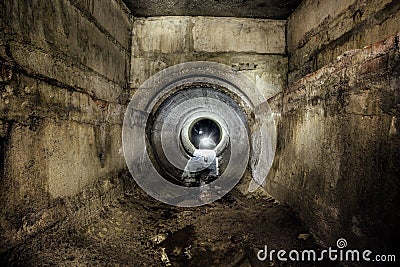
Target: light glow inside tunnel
x: 205, y: 132
x: 191, y: 131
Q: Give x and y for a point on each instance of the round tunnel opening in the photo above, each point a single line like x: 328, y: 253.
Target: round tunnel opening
x: 189, y: 133
x: 174, y: 110
x: 205, y: 134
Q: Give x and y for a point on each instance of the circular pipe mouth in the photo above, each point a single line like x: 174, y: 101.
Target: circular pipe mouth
x: 158, y: 151
x: 205, y: 134
x: 215, y: 130
x: 171, y: 145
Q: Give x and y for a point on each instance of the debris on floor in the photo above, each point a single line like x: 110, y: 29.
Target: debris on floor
x: 136, y: 230
x: 164, y: 258
x: 303, y: 236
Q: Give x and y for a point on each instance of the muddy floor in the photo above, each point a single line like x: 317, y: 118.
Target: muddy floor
x: 139, y: 231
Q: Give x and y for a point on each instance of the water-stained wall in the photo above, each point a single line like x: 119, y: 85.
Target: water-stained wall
x: 256, y: 47
x: 64, y: 69
x: 337, y: 161
x: 320, y: 31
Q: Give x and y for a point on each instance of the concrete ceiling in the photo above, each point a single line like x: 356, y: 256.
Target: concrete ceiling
x: 267, y: 9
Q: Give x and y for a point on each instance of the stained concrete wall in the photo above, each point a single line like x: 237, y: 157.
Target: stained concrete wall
x: 337, y: 161
x: 337, y: 158
x: 320, y: 31
x: 64, y: 71
x: 252, y: 46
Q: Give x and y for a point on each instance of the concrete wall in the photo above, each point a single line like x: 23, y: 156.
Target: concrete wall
x: 319, y: 31
x: 337, y: 161
x: 253, y: 46
x: 64, y: 70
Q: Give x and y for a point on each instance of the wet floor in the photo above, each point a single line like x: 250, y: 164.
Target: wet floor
x: 136, y: 230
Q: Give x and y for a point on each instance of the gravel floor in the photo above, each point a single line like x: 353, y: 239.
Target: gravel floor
x: 139, y: 231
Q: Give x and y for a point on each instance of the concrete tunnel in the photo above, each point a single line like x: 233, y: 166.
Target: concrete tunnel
x: 199, y: 133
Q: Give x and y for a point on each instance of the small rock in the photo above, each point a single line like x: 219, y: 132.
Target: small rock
x: 303, y: 236
x: 158, y: 238
x: 187, y: 252
x: 164, y: 258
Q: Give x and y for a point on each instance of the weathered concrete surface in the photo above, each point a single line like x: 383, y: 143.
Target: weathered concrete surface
x: 238, y: 35
x: 64, y: 68
x: 109, y: 16
x: 253, y: 47
x: 334, y: 27
x: 161, y: 35
x: 64, y: 35
x: 337, y: 160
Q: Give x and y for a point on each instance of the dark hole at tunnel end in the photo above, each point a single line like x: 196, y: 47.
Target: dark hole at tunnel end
x: 204, y: 128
